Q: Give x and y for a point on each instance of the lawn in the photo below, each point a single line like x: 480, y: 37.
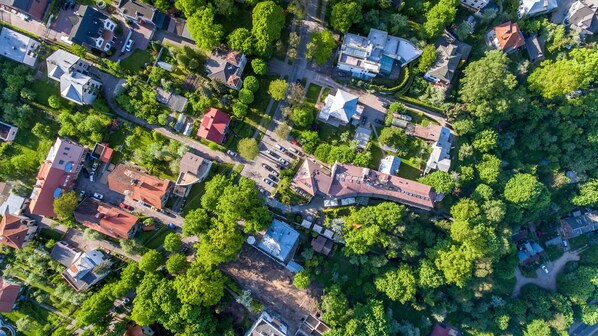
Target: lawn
x: 136, y: 61
x: 325, y: 94
x: 158, y: 240
x: 241, y: 130
x: 262, y: 97
x: 44, y: 320
x: 328, y: 132
x: 50, y: 234
x: 313, y: 91
x: 44, y: 88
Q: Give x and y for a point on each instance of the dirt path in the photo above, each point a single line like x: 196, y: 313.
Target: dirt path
x: 546, y: 281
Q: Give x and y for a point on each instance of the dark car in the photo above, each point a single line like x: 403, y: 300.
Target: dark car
x: 85, y: 173
x: 364, y: 119
x: 125, y: 206
x: 172, y: 226
x: 385, y: 105
x: 268, y: 168
x: 273, y: 178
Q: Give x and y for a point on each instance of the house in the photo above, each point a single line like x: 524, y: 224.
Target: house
x: 440, y: 158
x: 137, y: 330
x: 139, y: 186
x: 16, y: 231
x: 73, y: 74
x: 340, y: 109
x: 280, y: 242
x: 529, y: 8
x: 64, y: 254
x: 18, y: 47
x: 9, y: 293
x: 310, y: 178
x: 93, y: 29
x: 582, y: 16
x: 9, y: 202
x: 106, y: 219
x: 376, y: 54
x: 390, y: 165
x: 214, y: 126
x: 312, y: 326
x: 449, y: 54
x: 474, y: 5
x: 443, y: 329
x: 27, y: 8
x: 268, y: 324
x: 322, y: 245
x: 102, y: 152
x: 529, y: 252
x: 143, y: 13
x: 87, y: 270
x: 192, y: 169
x: 579, y: 223
x: 506, y: 37
x: 171, y: 100
x: 362, y: 136
x: 8, y: 132
x: 535, y: 48
x: 226, y: 67
x: 57, y: 175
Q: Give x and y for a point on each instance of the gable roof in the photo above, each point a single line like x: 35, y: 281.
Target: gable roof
x: 535, y: 48
x: 88, y: 27
x: 305, y: 177
x: 536, y: 7
x: 128, y: 180
x: 64, y: 253
x: 81, y: 274
x: 213, y: 125
x: 35, y: 8
x: 443, y: 329
x: 8, y: 295
x: 61, y: 62
x: 12, y: 231
x: 341, y: 106
x: 583, y: 14
x: 509, y: 36
x: 105, y: 218
x: 449, y: 52
x: 224, y: 66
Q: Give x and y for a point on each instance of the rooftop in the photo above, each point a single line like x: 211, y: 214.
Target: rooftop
x: 390, y: 165
x: 82, y: 273
x: 18, y: 47
x: 64, y: 253
x: 213, y: 125
x: 34, y: 8
x: 13, y: 230
x: 509, y: 36
x: 8, y: 132
x: 226, y: 66
x: 268, y: 324
x: 173, y: 101
x: 192, y: 168
x: 342, y: 106
x: 140, y: 186
x: 9, y: 293
x: 105, y: 218
x: 280, y: 241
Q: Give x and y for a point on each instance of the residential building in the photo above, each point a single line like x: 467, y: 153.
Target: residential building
x: 106, y: 219
x: 443, y: 329
x: 9, y: 293
x: 12, y: 204
x: 73, y: 74
x: 340, y: 109
x: 376, y: 54
x: 226, y: 67
x: 87, y: 270
x: 171, y: 100
x: 529, y: 252
x: 26, y: 8
x: 102, y: 152
x: 137, y: 330
x: 582, y: 16
x: 139, y: 186
x: 214, y: 126
x: 474, y: 5
x: 143, y: 13
x: 390, y: 165
x: 268, y: 324
x: 362, y: 137
x: 16, y: 231
x: 506, y: 37
x: 310, y: 178
x: 192, y: 169
x: 93, y: 29
x: 450, y: 52
x: 579, y: 223
x: 312, y: 326
x: 440, y: 158
x: 56, y: 175
x: 18, y: 47
x: 529, y: 8
x: 280, y: 242
x: 64, y: 254
x: 535, y: 48
x: 322, y: 245
x: 8, y: 132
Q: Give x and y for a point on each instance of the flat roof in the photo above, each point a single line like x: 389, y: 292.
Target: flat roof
x: 279, y: 241
x: 18, y: 47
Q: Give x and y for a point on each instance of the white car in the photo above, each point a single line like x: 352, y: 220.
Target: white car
x: 231, y: 153
x: 91, y: 175
x: 543, y: 267
x: 280, y: 148
x: 405, y: 117
x: 98, y: 196
x: 129, y: 45
x: 283, y: 161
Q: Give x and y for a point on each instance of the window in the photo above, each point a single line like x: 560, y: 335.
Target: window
x: 60, y: 162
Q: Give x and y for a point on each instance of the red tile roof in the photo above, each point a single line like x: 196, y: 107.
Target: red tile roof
x: 509, y: 36
x: 130, y: 181
x: 12, y: 232
x: 444, y: 330
x: 8, y: 295
x: 213, y: 126
x: 105, y: 218
x: 234, y: 57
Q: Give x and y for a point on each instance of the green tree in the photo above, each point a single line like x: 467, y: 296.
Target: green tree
x: 537, y: 328
x: 527, y: 193
x: 303, y: 115
x: 246, y: 96
x: 172, y: 242
x: 440, y: 181
x: 54, y: 102
x: 65, y: 204
x: 150, y: 261
x: 221, y: 243
x: 130, y: 246
x: 335, y: 306
x: 321, y: 46
x: 259, y: 66
x: 200, y: 285
x: 240, y: 110
x: 439, y: 17
x: 428, y: 275
x: 301, y: 279
x: 485, y: 140
x: 251, y: 83
x: 456, y: 264
x: 278, y: 89
x: 92, y: 235
x: 248, y: 148
x: 588, y: 194
x: 213, y: 191
x: 202, y: 28
x: 95, y: 309
x: 267, y: 23
x: 427, y: 58
x: 176, y: 263
x: 241, y: 40
x: 196, y: 221
x: 395, y: 138
x: 398, y: 285
x: 344, y: 15
x: 489, y: 168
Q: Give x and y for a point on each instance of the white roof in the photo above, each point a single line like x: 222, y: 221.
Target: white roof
x: 362, y: 136
x: 60, y: 62
x: 536, y: 7
x: 390, y: 165
x: 12, y: 205
x: 72, y: 87
x: 18, y: 47
x: 335, y: 106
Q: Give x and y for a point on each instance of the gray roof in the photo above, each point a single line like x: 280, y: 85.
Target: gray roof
x: 449, y: 52
x: 535, y: 48
x: 12, y: 205
x: 280, y: 241
x: 88, y: 26
x: 268, y: 324
x: 61, y: 62
x: 18, y: 47
x: 64, y: 253
x: 174, y: 101
x: 582, y: 14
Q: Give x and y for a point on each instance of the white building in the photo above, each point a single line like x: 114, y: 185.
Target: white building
x: 582, y: 16
x: 376, y: 54
x: 84, y: 272
x: 8, y: 132
x: 390, y: 165
x: 72, y: 73
x: 18, y: 47
x: 475, y: 5
x: 529, y: 8
x: 340, y: 109
x: 440, y: 159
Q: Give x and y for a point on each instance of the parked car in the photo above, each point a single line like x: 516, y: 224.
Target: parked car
x: 385, y: 105
x: 273, y: 178
x: 280, y: 148
x: 81, y: 195
x: 125, y: 206
x: 91, y: 175
x: 283, y: 161
x: 364, y: 119
x: 231, y: 153
x: 543, y: 267
x: 565, y: 244
x: 130, y: 44
x: 295, y: 150
x: 172, y: 226
x: 405, y: 117
x: 271, y: 153
x: 268, y: 168
x: 270, y: 183
x: 98, y: 196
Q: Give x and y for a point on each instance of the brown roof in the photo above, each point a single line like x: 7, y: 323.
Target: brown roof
x: 442, y: 329
x: 509, y: 36
x: 105, y: 218
x: 8, y: 295
x: 234, y: 57
x: 140, y: 186
x: 12, y: 232
x: 322, y: 245
x: 305, y: 177
x: 428, y: 133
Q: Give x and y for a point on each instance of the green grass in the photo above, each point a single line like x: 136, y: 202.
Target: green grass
x: 377, y: 155
x: 408, y: 171
x: 241, y: 130
x: 325, y: 94
x: 136, y: 61
x: 50, y: 234
x: 44, y: 88
x: 313, y: 91
x: 262, y: 97
x: 158, y: 240
x: 328, y: 132
x: 44, y: 320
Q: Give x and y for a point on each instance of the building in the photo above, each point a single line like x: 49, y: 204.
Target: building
x: 474, y: 5
x: 268, y: 324
x: 171, y: 100
x: 214, y: 126
x: 8, y: 132
x: 280, y: 241
x: 582, y: 16
x: 440, y: 158
x: 106, y: 219
x: 390, y: 165
x: 226, y: 67
x: 27, y: 8
x: 64, y: 253
x: 340, y: 109
x: 102, y: 152
x: 312, y: 326
x: 16, y: 231
x: 192, y: 169
x: 86, y: 270
x: 579, y: 223
x: 93, y: 30
x: 9, y: 293
x: 529, y: 252
x: 139, y: 186
x: 506, y: 37
x: 450, y: 53
x: 73, y: 74
x: 362, y: 137
x: 144, y: 13
x: 137, y: 330
x: 18, y: 47
x: 443, y: 329
x: 57, y: 174
x: 322, y: 245
x: 535, y: 48
x: 529, y: 8
x: 310, y: 178
x: 376, y: 54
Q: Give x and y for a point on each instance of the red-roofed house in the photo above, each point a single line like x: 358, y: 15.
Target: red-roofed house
x: 56, y: 175
x: 443, y: 329
x: 102, y: 152
x: 8, y: 295
x: 106, y: 219
x: 139, y: 186
x: 15, y: 231
x: 214, y: 126
x: 506, y: 37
